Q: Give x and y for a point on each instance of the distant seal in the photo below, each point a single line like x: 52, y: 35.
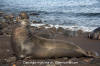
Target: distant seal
x: 25, y: 44
x: 95, y: 34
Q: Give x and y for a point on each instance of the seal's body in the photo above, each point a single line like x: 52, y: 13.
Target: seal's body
x: 25, y: 44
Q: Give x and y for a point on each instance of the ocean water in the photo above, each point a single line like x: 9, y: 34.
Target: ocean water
x: 85, y: 13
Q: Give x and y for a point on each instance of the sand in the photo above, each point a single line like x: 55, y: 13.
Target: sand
x: 82, y: 41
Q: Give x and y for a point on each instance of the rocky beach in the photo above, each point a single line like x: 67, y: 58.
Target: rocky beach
x: 78, y: 37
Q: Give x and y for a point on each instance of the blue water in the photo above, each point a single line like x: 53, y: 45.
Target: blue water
x: 64, y: 12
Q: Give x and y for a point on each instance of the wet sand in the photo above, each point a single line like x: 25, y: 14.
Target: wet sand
x: 86, y: 43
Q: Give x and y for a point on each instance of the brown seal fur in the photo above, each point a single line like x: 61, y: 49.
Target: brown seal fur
x: 25, y: 44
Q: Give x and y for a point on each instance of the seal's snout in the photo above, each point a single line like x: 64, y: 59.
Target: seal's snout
x: 24, y: 15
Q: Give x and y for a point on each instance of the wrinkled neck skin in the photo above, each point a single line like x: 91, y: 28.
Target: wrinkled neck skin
x: 24, y: 24
x: 21, y: 32
x: 23, y: 35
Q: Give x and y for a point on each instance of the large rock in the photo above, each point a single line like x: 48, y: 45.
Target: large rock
x: 6, y: 24
x: 1, y: 33
x: 36, y: 22
x: 97, y: 30
x: 34, y: 14
x: 9, y: 17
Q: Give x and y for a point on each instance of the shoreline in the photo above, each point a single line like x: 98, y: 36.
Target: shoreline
x: 39, y: 22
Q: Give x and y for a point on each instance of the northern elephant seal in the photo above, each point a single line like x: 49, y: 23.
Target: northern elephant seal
x: 25, y: 44
x: 95, y: 34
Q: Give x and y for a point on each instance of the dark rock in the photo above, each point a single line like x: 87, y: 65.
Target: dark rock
x: 97, y: 30
x: 1, y: 33
x: 7, y: 30
x: 2, y: 26
x: 5, y: 27
x: 3, y: 61
x: 60, y: 28
x: 9, y: 17
x: 34, y: 14
x: 36, y: 22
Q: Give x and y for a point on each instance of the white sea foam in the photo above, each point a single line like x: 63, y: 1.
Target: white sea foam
x: 73, y: 28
